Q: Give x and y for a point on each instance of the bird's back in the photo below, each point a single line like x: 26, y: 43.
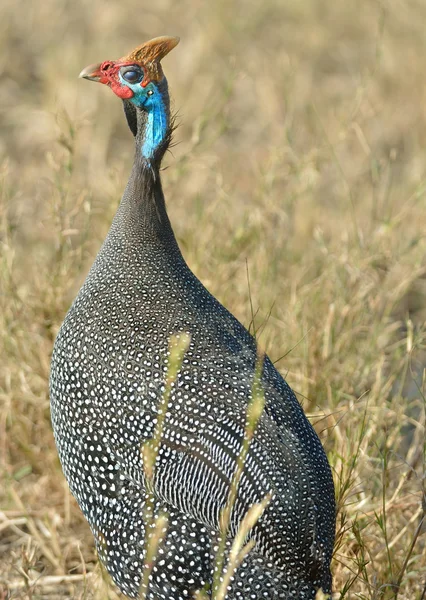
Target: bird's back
x: 108, y: 373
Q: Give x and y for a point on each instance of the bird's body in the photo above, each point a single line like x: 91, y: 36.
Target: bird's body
x: 108, y: 374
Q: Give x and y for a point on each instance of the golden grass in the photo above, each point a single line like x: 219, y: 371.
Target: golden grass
x: 301, y: 161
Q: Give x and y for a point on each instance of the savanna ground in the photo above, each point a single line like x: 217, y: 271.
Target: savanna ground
x: 297, y: 191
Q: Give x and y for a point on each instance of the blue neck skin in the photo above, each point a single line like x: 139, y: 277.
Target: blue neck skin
x: 156, y: 129
x: 154, y: 101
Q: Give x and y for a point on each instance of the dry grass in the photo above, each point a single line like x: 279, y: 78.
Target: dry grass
x: 302, y: 154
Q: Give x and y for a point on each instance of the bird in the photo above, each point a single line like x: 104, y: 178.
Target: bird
x: 108, y: 376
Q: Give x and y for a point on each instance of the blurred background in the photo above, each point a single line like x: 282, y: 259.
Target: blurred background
x: 297, y: 193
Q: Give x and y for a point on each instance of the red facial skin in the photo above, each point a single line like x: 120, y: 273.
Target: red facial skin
x: 108, y: 74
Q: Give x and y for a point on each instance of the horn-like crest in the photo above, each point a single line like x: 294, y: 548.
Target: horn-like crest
x: 150, y: 53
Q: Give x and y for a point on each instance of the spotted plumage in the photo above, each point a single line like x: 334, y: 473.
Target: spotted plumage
x: 108, y: 375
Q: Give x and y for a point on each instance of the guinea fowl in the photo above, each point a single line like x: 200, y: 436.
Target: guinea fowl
x: 108, y: 374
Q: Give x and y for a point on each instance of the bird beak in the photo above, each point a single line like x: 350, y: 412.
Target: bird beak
x: 92, y: 72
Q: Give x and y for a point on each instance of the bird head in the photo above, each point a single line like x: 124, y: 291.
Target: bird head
x: 137, y: 76
x: 138, y: 79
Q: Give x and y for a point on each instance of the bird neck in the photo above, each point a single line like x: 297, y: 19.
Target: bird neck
x: 141, y: 224
x: 142, y: 217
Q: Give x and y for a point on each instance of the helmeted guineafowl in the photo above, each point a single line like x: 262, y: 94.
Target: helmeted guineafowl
x: 107, y: 378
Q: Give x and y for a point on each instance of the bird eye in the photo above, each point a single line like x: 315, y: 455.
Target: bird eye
x: 132, y: 76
